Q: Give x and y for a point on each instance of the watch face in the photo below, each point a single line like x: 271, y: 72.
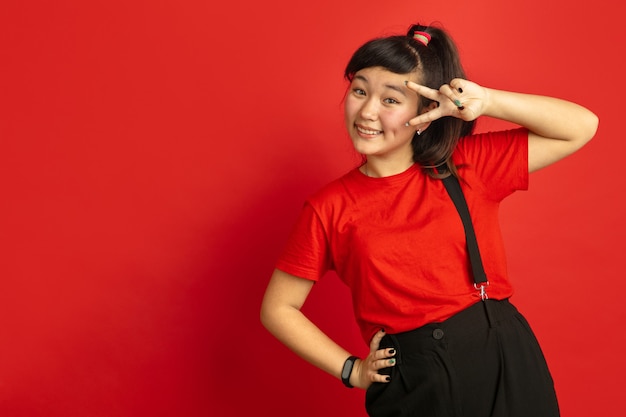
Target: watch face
x: 347, y: 370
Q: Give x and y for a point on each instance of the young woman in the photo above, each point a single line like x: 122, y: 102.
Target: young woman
x: 439, y: 344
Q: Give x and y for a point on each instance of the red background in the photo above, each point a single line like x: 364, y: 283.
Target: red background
x: 154, y: 155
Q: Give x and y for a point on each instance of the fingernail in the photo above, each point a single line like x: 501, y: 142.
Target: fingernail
x: 406, y: 83
x: 457, y: 103
x: 392, y: 361
x: 382, y: 330
x: 392, y: 351
x: 460, y: 90
x: 407, y: 124
x: 461, y: 107
x: 387, y: 378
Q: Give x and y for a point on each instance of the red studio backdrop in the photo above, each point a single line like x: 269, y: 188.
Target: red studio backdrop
x: 155, y: 154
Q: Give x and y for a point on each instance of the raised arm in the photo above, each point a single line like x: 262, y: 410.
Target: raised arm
x: 557, y: 128
x: 281, y: 314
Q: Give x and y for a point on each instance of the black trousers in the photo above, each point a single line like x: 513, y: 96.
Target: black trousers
x: 483, y: 362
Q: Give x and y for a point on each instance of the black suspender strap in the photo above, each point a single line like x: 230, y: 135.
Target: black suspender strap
x: 453, y: 187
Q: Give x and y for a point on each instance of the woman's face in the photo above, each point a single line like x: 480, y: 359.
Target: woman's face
x: 377, y: 107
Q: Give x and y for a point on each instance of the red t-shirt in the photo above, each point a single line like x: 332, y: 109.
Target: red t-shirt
x: 398, y: 242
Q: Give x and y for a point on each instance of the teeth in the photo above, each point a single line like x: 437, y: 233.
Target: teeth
x: 368, y: 132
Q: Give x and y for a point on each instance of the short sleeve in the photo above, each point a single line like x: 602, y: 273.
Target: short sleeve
x: 498, y: 159
x: 306, y: 254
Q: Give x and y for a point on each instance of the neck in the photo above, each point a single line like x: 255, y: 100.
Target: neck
x: 377, y: 169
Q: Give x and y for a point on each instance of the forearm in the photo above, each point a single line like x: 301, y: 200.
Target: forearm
x: 281, y: 314
x: 290, y: 326
x: 546, y: 117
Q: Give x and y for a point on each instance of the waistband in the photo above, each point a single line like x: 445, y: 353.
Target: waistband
x: 483, y: 314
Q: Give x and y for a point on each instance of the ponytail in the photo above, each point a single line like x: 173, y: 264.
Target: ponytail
x: 440, y: 64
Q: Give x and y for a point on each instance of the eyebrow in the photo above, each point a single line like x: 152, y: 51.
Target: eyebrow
x: 388, y: 86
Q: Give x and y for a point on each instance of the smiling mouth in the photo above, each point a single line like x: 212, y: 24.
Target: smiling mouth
x: 368, y: 131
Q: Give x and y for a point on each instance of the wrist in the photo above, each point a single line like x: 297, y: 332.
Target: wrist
x: 488, y: 106
x: 355, y: 377
x: 347, y: 371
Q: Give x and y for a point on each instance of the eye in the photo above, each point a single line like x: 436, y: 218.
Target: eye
x: 391, y: 101
x: 358, y: 91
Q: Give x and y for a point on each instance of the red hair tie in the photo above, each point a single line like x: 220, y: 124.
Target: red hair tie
x: 422, y: 37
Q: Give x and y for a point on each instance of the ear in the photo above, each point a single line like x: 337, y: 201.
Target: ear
x: 426, y: 109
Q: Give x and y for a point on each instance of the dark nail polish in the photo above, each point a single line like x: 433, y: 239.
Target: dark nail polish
x: 387, y: 378
x: 460, y: 90
x: 392, y: 351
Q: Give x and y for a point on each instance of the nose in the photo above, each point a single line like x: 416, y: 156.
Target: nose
x: 369, y: 110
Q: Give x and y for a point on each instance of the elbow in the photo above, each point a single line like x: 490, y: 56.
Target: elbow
x: 590, y: 127
x: 268, y: 316
x: 265, y: 316
x: 584, y: 130
x: 271, y: 320
x: 595, y: 123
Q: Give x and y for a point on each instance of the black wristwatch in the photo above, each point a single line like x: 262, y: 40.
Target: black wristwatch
x: 347, y: 371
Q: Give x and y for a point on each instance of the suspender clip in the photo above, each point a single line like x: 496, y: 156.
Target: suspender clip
x: 482, y: 290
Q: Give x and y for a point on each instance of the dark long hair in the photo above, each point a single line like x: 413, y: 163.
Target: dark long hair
x: 438, y: 63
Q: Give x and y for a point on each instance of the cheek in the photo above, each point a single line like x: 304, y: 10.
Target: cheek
x: 346, y: 115
x: 349, y: 108
x: 397, y: 120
